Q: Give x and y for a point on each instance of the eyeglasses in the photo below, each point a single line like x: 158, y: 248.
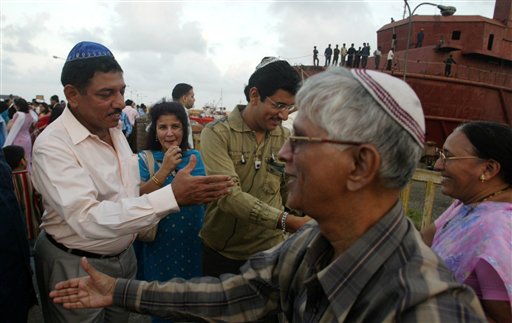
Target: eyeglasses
x: 442, y: 156
x: 296, y: 140
x: 281, y: 106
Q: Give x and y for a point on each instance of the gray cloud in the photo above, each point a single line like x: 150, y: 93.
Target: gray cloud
x: 155, y: 27
x: 21, y: 36
x: 304, y: 25
x: 96, y: 34
x: 161, y: 43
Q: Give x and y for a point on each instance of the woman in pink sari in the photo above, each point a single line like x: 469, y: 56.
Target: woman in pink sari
x: 473, y: 236
x: 19, y: 129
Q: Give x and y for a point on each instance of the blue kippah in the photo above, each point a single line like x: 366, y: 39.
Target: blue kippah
x: 87, y: 49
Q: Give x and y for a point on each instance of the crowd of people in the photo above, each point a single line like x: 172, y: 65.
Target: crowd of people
x: 263, y: 223
x: 21, y: 123
x: 348, y: 57
x: 358, y: 58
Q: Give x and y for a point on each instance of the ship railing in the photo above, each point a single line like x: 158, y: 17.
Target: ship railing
x: 426, y: 184
x: 458, y: 71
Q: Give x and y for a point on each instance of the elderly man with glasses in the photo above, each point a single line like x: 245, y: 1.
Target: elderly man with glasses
x: 244, y: 145
x: 357, y: 139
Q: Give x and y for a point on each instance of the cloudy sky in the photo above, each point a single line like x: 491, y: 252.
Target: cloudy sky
x: 213, y: 45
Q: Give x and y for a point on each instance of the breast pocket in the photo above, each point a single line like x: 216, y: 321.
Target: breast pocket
x: 236, y: 158
x: 274, y: 176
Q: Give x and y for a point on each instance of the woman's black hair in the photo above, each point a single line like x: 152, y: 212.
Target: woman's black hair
x: 44, y: 108
x: 13, y: 155
x: 21, y: 105
x: 491, y: 140
x: 167, y: 108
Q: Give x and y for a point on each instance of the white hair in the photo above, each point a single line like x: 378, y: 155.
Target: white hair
x: 335, y: 101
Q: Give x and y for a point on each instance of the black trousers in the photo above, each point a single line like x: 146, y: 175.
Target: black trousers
x: 215, y: 264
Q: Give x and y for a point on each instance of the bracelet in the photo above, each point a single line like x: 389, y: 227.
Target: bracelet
x: 283, y: 221
x: 156, y: 181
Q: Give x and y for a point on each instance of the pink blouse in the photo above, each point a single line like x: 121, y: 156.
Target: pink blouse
x: 476, y: 244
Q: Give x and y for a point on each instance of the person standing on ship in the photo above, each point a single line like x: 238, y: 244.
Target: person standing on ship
x: 448, y: 65
x: 316, y: 61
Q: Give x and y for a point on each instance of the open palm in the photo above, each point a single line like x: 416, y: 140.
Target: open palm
x: 95, y: 290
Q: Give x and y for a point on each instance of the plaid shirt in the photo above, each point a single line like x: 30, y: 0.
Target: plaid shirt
x: 386, y: 275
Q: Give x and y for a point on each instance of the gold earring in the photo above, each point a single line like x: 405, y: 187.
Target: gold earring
x: 482, y: 178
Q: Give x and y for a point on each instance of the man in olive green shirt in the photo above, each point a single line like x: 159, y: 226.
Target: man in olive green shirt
x: 244, y: 145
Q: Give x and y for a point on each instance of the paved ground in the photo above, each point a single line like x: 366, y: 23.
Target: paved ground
x: 35, y: 316
x: 416, y: 203
x: 441, y: 202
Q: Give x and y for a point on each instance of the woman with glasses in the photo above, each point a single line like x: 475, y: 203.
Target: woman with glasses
x: 474, y: 235
x: 174, y: 250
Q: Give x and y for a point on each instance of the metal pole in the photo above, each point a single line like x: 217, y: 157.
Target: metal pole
x: 409, y: 29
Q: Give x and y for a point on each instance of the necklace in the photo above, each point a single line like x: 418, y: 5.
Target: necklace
x: 472, y: 206
x: 490, y: 196
x: 484, y: 199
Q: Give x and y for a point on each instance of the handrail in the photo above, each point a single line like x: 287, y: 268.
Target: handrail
x: 431, y: 179
x: 460, y: 71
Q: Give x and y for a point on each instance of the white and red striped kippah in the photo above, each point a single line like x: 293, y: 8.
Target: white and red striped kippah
x: 397, y: 98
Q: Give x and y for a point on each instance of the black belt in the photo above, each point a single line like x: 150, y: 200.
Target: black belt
x: 78, y: 252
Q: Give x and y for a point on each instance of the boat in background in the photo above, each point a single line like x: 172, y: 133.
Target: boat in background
x: 480, y: 84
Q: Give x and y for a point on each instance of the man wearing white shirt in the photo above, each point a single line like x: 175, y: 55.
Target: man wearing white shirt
x: 89, y: 179
x: 132, y: 114
x: 184, y: 94
x: 391, y: 56
x: 130, y: 111
x: 343, y: 54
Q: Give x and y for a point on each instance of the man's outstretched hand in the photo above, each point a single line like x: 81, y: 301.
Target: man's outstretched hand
x: 95, y: 290
x: 190, y: 189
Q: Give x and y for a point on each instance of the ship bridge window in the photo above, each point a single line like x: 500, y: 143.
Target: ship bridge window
x: 456, y: 35
x: 490, y: 42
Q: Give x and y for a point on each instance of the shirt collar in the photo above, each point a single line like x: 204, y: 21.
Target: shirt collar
x: 77, y: 131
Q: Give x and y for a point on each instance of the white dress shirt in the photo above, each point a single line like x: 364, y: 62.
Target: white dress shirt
x: 132, y: 113
x: 91, y: 190
x: 190, y: 134
x: 391, y: 55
